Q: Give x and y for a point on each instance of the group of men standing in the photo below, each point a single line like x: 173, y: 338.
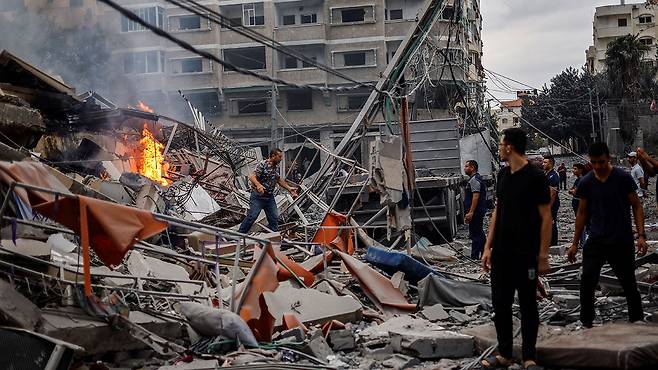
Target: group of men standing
x: 524, y: 225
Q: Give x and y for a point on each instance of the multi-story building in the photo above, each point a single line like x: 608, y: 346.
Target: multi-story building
x: 613, y: 21
x: 356, y: 39
x: 509, y: 114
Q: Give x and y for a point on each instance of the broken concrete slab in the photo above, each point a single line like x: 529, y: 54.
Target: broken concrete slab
x: 342, y: 340
x: 72, y: 325
x: 567, y: 300
x: 311, y: 306
x: 145, y: 266
x: 29, y: 247
x: 400, y: 362
x: 400, y: 283
x: 432, y: 344
x: 460, y: 317
x: 318, y: 346
x: 397, y: 323
x: 435, y: 313
x: 16, y: 310
x: 196, y: 364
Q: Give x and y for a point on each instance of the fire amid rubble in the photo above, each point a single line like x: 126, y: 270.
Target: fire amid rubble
x: 152, y: 162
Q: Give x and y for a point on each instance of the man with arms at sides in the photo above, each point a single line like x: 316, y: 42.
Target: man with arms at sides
x: 516, y: 251
x: 607, y: 195
x: 263, y: 183
x: 475, y: 204
x: 554, y: 182
x: 637, y: 173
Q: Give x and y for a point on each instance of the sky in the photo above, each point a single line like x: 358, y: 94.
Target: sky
x: 533, y: 40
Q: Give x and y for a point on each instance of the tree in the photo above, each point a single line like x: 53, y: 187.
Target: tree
x: 562, y: 110
x: 629, y: 81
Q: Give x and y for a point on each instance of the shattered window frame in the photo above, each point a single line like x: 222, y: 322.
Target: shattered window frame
x: 299, y: 100
x: 196, y: 20
x: 154, y: 15
x: 249, y: 106
x: 349, y: 15
x: 142, y: 62
x: 352, y: 102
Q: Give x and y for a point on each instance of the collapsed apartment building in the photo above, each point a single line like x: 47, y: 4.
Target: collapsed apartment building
x: 120, y: 250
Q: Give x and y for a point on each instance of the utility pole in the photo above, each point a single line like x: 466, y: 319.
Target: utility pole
x: 598, y: 104
x: 591, y: 115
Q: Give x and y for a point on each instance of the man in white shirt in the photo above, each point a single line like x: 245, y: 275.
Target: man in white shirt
x: 638, y: 174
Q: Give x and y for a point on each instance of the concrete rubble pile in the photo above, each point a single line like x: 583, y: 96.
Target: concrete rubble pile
x: 106, y: 265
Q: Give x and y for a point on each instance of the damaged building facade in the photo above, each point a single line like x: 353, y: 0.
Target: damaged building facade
x: 357, y: 40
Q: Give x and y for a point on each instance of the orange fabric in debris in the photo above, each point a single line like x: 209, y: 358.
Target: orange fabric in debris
x: 376, y: 285
x: 332, y: 325
x: 291, y: 321
x: 332, y: 237
x: 283, y: 274
x: 113, y: 228
x: 261, y: 278
x: 31, y: 173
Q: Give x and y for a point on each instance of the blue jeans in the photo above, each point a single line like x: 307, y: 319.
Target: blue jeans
x: 476, y: 234
x: 257, y: 203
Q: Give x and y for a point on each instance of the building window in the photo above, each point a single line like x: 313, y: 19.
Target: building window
x: 505, y: 121
x: 206, y: 102
x: 357, y: 58
x: 191, y: 22
x: 306, y: 64
x: 622, y: 22
x: 300, y: 100
x: 76, y: 3
x: 644, y: 19
x: 192, y: 65
x: 353, y: 15
x: 252, y: 14
x: 348, y: 103
x: 153, y: 15
x: 249, y: 106
x: 248, y: 58
x: 290, y: 62
x: 515, y: 120
x: 143, y: 62
x: 309, y: 18
x: 289, y: 20
x: 648, y: 41
x: 395, y: 14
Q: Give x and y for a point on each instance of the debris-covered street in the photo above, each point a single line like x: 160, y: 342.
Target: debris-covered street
x: 399, y: 233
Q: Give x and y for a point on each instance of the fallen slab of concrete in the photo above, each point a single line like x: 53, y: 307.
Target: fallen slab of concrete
x: 611, y: 346
x: 16, y: 310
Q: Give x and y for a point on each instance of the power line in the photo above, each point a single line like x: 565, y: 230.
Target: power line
x: 187, y: 46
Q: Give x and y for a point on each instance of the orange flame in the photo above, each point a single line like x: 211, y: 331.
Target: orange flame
x: 152, y: 164
x: 144, y: 108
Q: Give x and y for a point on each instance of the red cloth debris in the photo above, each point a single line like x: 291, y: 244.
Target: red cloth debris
x: 283, y: 274
x: 333, y: 237
x: 262, y: 278
x: 377, y: 287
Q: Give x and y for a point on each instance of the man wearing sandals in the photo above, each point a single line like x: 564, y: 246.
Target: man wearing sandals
x: 516, y: 251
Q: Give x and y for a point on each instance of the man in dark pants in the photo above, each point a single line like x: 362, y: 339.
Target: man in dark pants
x: 516, y: 251
x: 607, y: 195
x: 263, y: 182
x: 554, y: 182
x: 475, y: 204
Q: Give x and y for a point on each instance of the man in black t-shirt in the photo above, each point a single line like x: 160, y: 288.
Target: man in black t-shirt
x: 607, y: 195
x: 516, y: 251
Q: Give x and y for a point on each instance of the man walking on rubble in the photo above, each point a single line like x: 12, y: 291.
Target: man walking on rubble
x: 516, y: 251
x: 475, y: 203
x: 554, y: 182
x: 263, y: 182
x: 607, y: 194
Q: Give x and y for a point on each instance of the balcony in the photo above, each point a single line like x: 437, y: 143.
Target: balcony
x: 608, y: 10
x: 398, y: 28
x: 612, y: 32
x: 300, y: 32
x: 232, y: 79
x: 229, y: 37
x: 303, y: 75
x: 192, y: 81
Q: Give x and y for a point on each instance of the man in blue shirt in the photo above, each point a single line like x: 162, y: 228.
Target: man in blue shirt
x: 263, y: 181
x: 475, y: 205
x: 554, y: 182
